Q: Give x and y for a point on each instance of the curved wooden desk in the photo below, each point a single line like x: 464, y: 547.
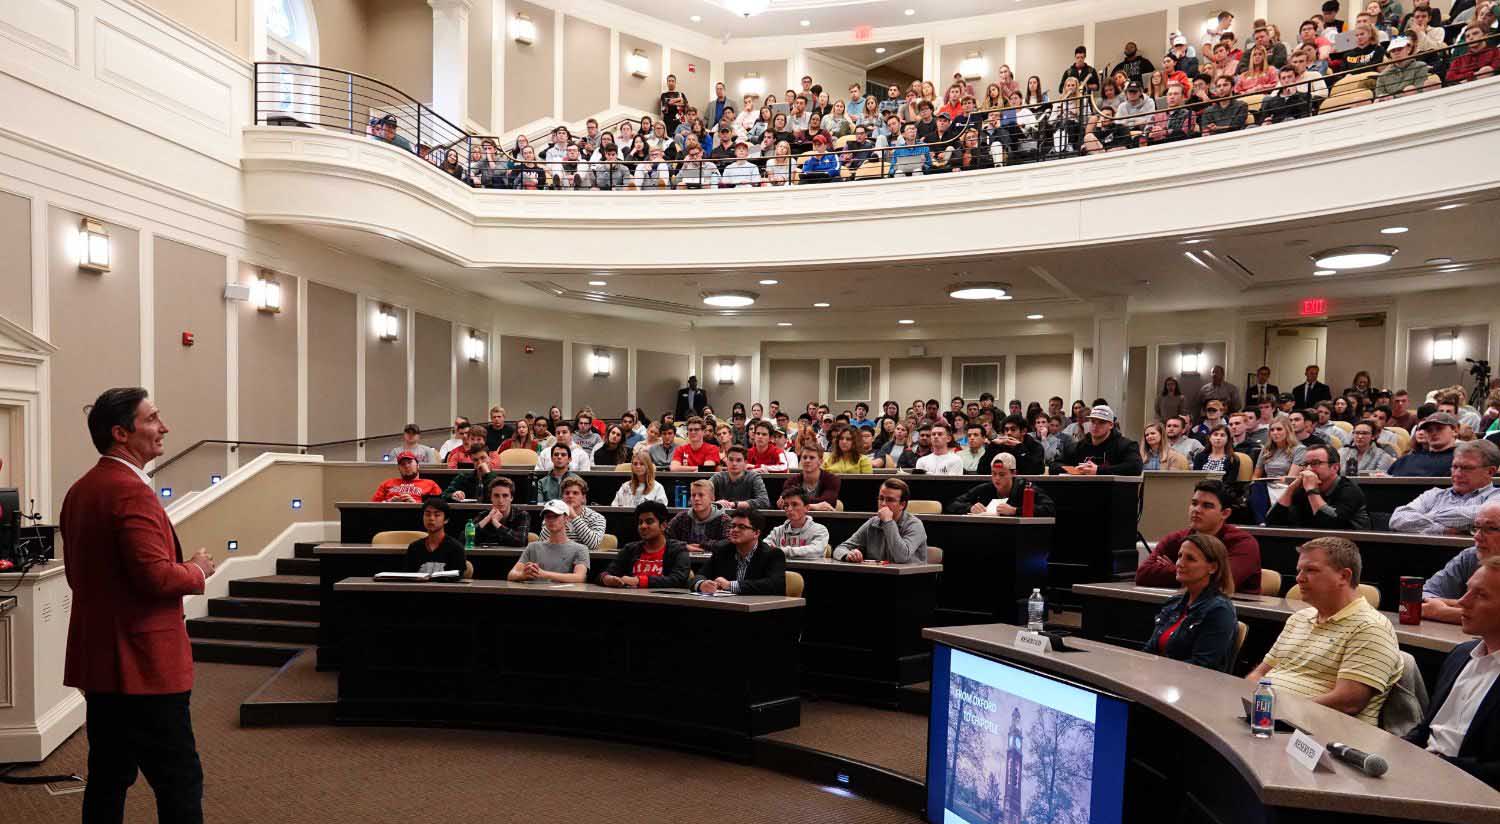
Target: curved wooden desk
x: 1190, y: 755
x: 1384, y: 556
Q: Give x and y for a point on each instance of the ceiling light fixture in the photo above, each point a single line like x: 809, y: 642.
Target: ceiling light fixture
x: 821, y: 305
x: 1446, y: 206
x: 748, y: 8
x: 638, y: 63
x: 1035, y: 316
x: 1438, y: 261
x: 769, y: 282
x: 522, y: 30
x: 1355, y: 257
x: 1323, y: 273
x: 880, y: 49
x: 906, y: 321
x: 910, y: 12
x: 804, y: 23
x: 1394, y: 230
x: 733, y: 299
x: 783, y: 323
x: 988, y: 290
x: 598, y: 283
x: 696, y: 18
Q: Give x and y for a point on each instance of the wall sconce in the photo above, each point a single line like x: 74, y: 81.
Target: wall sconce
x: 727, y: 372
x: 265, y: 293
x: 602, y: 363
x: 753, y: 84
x: 93, y: 246
x: 638, y: 64
x: 1444, y: 347
x: 1188, y: 363
x: 474, y: 348
x: 522, y: 30
x: 387, y: 325
x: 973, y: 66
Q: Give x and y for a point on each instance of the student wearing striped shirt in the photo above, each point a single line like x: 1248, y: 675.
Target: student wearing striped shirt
x: 1339, y: 651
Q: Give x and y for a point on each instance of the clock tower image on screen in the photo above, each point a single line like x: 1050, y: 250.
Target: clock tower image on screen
x: 1012, y: 811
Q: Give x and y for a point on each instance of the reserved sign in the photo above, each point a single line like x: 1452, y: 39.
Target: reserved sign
x: 1305, y: 752
x: 1033, y: 642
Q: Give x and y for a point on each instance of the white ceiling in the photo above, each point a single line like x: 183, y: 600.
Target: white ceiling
x: 904, y: 56
x: 823, y: 16
x: 1257, y: 266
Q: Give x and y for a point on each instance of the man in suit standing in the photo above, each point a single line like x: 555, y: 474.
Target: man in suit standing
x: 1262, y: 388
x: 128, y: 649
x: 1308, y: 394
x: 690, y: 400
x: 1463, y: 721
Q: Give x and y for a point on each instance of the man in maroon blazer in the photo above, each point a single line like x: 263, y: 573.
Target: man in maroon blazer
x: 128, y: 648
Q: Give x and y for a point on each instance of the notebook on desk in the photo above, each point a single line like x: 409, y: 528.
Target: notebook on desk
x: 444, y: 575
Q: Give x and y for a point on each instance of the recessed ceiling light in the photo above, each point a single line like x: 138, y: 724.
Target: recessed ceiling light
x: 910, y: 12
x: 1394, y: 230
x: 1439, y: 261
x: 880, y: 49
x: 783, y: 323
x: 906, y: 321
x: 696, y: 19
x: 1192, y: 242
x: 991, y: 290
x: 821, y: 305
x: 769, y: 282
x: 1321, y: 273
x: 729, y: 299
x: 1035, y: 316
x: 598, y: 283
x: 804, y: 23
x: 1446, y: 206
x: 1354, y: 257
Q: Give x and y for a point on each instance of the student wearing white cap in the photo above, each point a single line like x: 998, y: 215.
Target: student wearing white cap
x: 1102, y: 451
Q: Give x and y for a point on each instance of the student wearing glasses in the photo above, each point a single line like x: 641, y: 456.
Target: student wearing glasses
x: 1441, y: 592
x: 1319, y: 497
x: 1451, y: 510
x: 745, y: 564
x: 696, y: 454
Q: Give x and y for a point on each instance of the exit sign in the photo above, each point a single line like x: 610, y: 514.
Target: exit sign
x: 863, y: 32
x: 1314, y: 306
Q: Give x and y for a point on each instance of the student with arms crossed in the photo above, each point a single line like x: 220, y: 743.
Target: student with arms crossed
x: 653, y: 562
x: 703, y: 523
x: 554, y: 558
x: 892, y: 535
x: 744, y: 564
x: 410, y: 487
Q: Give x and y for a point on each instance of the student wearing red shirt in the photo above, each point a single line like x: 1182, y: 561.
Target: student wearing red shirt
x: 695, y: 454
x: 1208, y: 514
x: 763, y: 456
x: 411, y: 487
x: 653, y: 561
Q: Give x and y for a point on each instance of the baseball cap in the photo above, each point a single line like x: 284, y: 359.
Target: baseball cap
x: 1179, y: 40
x: 944, y: 116
x: 823, y: 139
x: 1284, y: 397
x: 554, y: 507
x: 389, y: 120
x: 406, y: 456
x: 1132, y: 86
x: 1398, y: 43
x: 1102, y: 413
x: 1439, y: 419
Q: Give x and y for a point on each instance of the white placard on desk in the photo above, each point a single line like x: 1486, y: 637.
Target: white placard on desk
x: 1033, y: 642
x: 1304, y: 750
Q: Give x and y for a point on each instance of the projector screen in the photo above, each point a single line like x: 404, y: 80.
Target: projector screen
x: 1011, y: 746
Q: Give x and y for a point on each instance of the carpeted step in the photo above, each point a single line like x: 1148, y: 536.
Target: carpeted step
x: 304, y: 549
x: 273, y: 609
x: 254, y: 629
x: 252, y: 653
x: 296, y: 587
x: 297, y: 566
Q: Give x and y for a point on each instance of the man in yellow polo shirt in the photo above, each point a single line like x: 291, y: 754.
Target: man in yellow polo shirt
x: 1340, y: 651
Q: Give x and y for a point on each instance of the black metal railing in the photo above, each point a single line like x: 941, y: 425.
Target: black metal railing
x: 317, y: 97
x: 300, y: 448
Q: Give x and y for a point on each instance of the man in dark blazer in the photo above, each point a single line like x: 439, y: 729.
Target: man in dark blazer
x: 128, y: 649
x: 1261, y: 388
x: 690, y: 400
x: 1463, y: 721
x: 744, y: 564
x: 1308, y: 393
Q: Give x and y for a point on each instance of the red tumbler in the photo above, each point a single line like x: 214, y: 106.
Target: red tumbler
x: 1411, y: 599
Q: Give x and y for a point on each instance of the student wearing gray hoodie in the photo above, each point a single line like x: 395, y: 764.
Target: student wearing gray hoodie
x: 799, y: 537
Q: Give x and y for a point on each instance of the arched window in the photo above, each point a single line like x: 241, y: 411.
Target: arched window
x: 286, y: 31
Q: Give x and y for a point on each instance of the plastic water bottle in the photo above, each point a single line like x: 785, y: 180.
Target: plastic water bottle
x: 1036, y: 611
x: 469, y: 535
x: 1263, y: 710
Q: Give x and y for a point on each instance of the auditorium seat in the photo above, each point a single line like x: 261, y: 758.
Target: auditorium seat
x: 1368, y: 590
x: 794, y: 585
x: 624, y: 467
x: 838, y: 506
x: 518, y: 457
x: 1270, y: 582
x: 1240, y: 630
x: 1349, y: 91
x: 397, y: 537
x: 935, y: 555
x: 1247, y: 469
x: 1345, y: 427
x: 1406, y: 704
x: 924, y: 506
x: 609, y: 542
x: 532, y: 537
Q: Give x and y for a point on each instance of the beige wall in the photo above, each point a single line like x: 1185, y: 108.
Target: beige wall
x: 693, y: 83
x: 952, y: 55
x: 637, y: 92
x: 15, y: 259
x: 833, y: 77
x: 1039, y: 377
x: 1350, y: 347
x: 331, y: 375
x: 530, y: 382
x: 189, y: 297
x: 1289, y: 14
x: 1168, y: 359
x: 473, y: 381
x: 225, y: 22
x: 96, y: 328
x: 1423, y: 376
x: 482, y: 63
x: 528, y: 69
x: 268, y: 369
x: 721, y: 398
x: 433, y: 376
x: 385, y: 382
x: 399, y: 40
x: 1148, y: 31
x: 1046, y: 54
x: 970, y: 393
x: 343, y: 35
x: 258, y: 510
x: 912, y: 378
x: 794, y: 382
x: 585, y: 69
x: 606, y: 395
x: 848, y: 403
x: 658, y: 376
x: 773, y: 72
x: 1192, y: 17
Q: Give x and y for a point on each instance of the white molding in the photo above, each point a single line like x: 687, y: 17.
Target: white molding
x: 567, y: 378
x: 630, y: 378
x: 41, y: 280
x: 362, y: 323
x: 302, y: 356
x: 824, y: 372
x: 146, y: 265
x: 411, y: 364
x: 885, y: 379
x: 262, y: 562
x: 231, y: 368
x: 499, y: 36
x: 559, y: 64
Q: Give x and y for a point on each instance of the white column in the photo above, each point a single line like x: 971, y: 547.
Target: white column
x: 1174, y: 23
x: 1260, y: 9
x: 823, y: 396
x: 567, y: 387
x: 666, y: 69
x: 362, y: 323
x: 559, y: 67
x: 410, y: 331
x: 1011, y: 47
x: 945, y: 380
x: 231, y: 367
x: 494, y: 362
x: 450, y: 58
x: 614, y: 82
x: 1110, y: 353
x: 931, y: 61
x: 499, y: 35
x: 885, y: 381
x: 1008, y: 386
x: 1088, y: 43
x: 302, y: 356
x: 630, y: 360
x: 755, y: 385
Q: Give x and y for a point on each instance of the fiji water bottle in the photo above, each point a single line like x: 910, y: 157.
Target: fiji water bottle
x: 1263, y: 710
x: 469, y: 535
x: 1036, y: 611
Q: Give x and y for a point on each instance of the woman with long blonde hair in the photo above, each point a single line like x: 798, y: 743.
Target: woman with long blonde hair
x: 1281, y: 452
x: 642, y: 485
x: 1157, y: 454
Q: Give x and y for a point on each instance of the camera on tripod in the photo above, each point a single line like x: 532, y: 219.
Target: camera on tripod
x: 1480, y: 369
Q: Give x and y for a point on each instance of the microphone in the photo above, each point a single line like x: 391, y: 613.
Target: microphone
x: 1367, y: 763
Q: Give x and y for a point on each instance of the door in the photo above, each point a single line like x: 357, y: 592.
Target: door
x: 10, y: 461
x: 1291, y: 350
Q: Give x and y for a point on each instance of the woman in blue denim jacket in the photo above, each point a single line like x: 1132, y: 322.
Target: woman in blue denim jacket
x: 1199, y: 624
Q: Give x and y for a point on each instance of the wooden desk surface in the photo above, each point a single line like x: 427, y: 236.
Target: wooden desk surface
x: 734, y: 603
x: 1361, y: 538
x: 604, y: 554
x: 610, y: 473
x: 993, y: 520
x: 1432, y: 635
x: 1420, y: 785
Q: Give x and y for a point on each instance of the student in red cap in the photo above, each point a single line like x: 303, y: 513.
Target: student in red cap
x: 410, y: 488
x: 822, y: 166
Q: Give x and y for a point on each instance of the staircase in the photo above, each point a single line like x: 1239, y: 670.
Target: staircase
x: 263, y: 621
